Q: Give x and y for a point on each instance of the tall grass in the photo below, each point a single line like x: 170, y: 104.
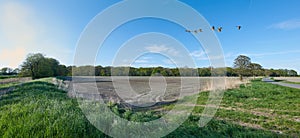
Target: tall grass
x: 39, y: 109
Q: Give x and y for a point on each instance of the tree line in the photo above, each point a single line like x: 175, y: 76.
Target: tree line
x: 39, y: 66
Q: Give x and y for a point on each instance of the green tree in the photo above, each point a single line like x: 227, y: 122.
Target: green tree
x: 231, y: 72
x: 242, y: 64
x: 83, y: 71
x: 204, y: 72
x: 32, y: 65
x: 38, y: 66
x: 62, y: 70
x: 256, y: 69
x: 6, y: 71
x: 293, y: 73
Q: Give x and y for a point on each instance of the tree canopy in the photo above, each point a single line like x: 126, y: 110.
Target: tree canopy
x: 39, y: 66
x: 242, y: 64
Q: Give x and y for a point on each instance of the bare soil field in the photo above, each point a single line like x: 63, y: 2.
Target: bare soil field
x: 14, y: 80
x: 290, y: 79
x: 145, y: 91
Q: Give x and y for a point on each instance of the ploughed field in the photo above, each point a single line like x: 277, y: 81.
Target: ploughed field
x: 144, y: 91
x: 289, y: 79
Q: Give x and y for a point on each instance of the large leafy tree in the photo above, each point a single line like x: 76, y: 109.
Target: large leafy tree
x: 6, y: 71
x: 242, y: 64
x: 38, y: 66
x: 31, y: 65
x: 256, y: 69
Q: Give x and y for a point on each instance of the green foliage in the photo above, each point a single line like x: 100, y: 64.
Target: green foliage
x: 83, y: 71
x: 242, y: 64
x: 39, y: 109
x: 7, y: 85
x: 38, y: 66
x: 252, y: 70
x: 256, y: 69
x: 281, y: 73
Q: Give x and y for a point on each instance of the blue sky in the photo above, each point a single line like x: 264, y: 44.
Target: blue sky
x: 269, y: 36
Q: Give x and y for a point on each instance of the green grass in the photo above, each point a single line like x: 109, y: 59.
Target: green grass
x: 7, y: 85
x: 39, y: 109
x: 262, y: 105
x: 216, y: 129
x: 7, y: 76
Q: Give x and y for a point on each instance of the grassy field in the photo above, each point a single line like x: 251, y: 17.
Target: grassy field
x: 262, y: 105
x: 7, y: 85
x: 39, y: 109
x: 7, y: 76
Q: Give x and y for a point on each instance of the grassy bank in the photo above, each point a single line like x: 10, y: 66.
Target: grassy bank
x: 39, y: 109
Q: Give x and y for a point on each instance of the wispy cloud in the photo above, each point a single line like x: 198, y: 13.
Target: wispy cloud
x: 287, y: 25
x: 141, y: 61
x: 199, y: 55
x: 162, y: 49
x: 148, y: 65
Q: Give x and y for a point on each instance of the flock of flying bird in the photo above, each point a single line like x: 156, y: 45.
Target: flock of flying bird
x: 219, y: 29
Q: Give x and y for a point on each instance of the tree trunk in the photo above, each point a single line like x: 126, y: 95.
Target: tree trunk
x: 241, y: 78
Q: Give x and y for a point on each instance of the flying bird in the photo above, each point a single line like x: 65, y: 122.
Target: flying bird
x: 220, y: 29
x: 239, y: 27
x: 213, y: 28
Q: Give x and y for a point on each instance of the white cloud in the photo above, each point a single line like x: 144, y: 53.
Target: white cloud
x: 199, y: 55
x: 287, y: 25
x: 148, y: 65
x: 162, y: 49
x: 141, y: 61
x: 22, y: 32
